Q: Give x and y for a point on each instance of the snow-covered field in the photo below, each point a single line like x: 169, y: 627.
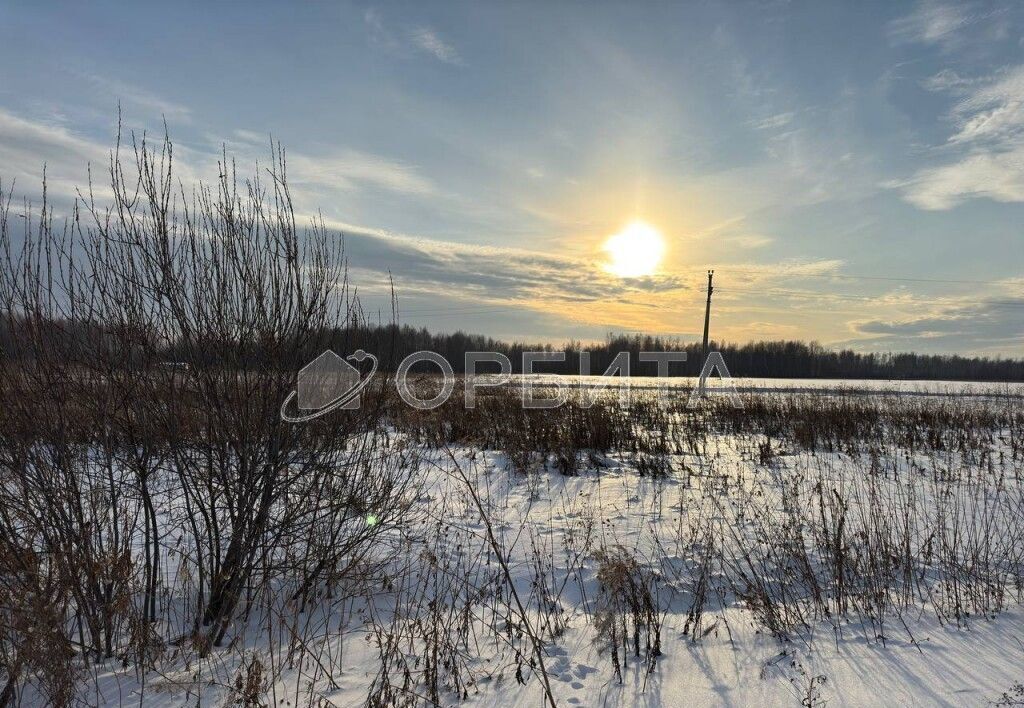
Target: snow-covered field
x: 747, y: 566
x: 764, y: 385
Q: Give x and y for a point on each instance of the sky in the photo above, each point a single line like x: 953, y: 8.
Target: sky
x: 852, y: 171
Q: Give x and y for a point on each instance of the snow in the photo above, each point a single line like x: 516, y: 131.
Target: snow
x: 749, y: 384
x: 921, y: 657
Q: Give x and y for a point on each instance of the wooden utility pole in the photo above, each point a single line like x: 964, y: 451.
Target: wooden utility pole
x: 707, y: 319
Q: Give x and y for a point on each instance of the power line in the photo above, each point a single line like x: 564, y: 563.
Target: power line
x: 850, y: 276
x: 865, y: 298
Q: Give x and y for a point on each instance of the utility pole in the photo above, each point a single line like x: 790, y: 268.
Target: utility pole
x: 707, y: 319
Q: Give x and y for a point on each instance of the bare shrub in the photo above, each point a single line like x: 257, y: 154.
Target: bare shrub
x: 627, y: 615
x: 149, y: 345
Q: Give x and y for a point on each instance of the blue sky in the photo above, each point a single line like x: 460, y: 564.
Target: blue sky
x: 831, y: 161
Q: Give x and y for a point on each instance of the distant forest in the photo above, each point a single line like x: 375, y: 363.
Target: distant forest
x: 770, y: 359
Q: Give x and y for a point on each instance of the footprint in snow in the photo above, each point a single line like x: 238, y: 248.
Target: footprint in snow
x: 582, y: 670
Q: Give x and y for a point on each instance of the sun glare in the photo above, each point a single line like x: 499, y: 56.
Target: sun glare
x: 635, y: 251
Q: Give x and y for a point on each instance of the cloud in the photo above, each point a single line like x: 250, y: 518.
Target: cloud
x: 27, y: 145
x: 947, y: 80
x: 251, y: 136
x: 351, y: 169
x: 379, y: 34
x: 344, y: 170
x: 994, y: 112
x: 996, y: 176
x: 750, y: 241
x: 785, y: 272
x: 989, y: 325
x: 420, y: 39
x: 569, y: 295
x: 931, y: 23
x: 493, y: 274
x: 428, y: 41
x: 120, y: 91
x: 556, y: 288
x: 774, y: 122
x: 735, y: 234
x: 443, y: 269
x: 989, y: 139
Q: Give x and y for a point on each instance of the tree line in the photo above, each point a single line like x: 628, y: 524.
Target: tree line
x: 764, y: 359
x: 769, y: 359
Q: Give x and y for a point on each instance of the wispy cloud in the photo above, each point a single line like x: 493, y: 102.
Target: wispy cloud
x: 994, y: 113
x: 351, y: 169
x: 422, y: 39
x: 132, y: 95
x: 948, y: 80
x: 995, y: 176
x: 27, y: 145
x: 775, y: 122
x: 344, y: 169
x: 251, y: 136
x: 736, y: 234
x: 379, y: 34
x: 987, y: 325
x: 427, y: 40
x: 931, y: 23
x: 989, y: 142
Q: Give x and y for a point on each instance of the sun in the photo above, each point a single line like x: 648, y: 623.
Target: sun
x: 635, y: 251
